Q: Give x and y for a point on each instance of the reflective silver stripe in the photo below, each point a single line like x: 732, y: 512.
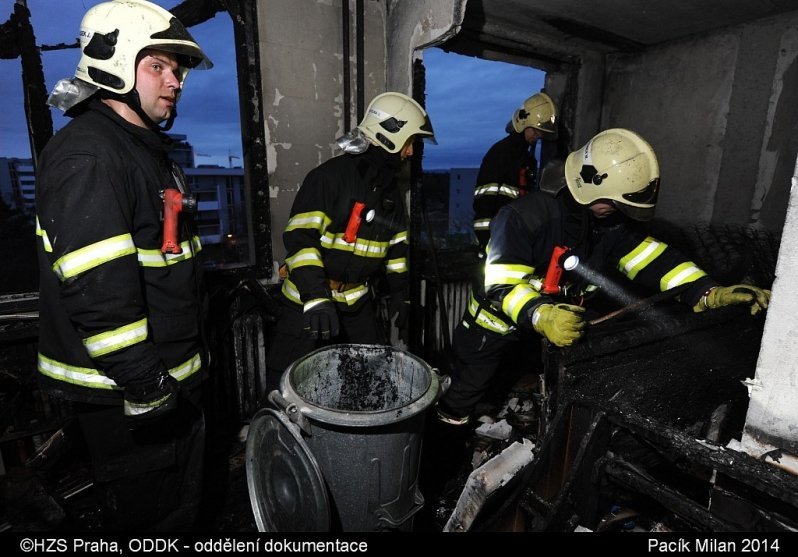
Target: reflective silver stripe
x: 496, y: 189
x: 349, y: 297
x: 313, y: 303
x: 399, y: 238
x: 154, y: 257
x: 365, y: 248
x: 682, y: 274
x: 42, y: 233
x: 315, y: 220
x: 94, y: 255
x: 640, y: 257
x: 304, y: 257
x: 482, y: 224
x: 75, y: 375
x: 111, y: 341
x: 95, y: 379
x: 140, y: 408
x: 487, y: 319
x: 396, y: 265
x: 516, y: 299
x: 499, y: 273
x: 290, y: 291
x: 187, y: 368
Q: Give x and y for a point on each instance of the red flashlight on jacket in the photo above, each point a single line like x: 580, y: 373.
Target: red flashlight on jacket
x: 561, y: 259
x: 174, y: 202
x: 356, y: 218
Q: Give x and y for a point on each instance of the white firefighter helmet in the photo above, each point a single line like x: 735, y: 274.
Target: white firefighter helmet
x: 617, y: 165
x: 392, y: 118
x: 537, y: 112
x: 113, y: 33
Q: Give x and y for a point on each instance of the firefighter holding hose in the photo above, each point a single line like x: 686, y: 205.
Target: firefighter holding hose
x: 585, y: 212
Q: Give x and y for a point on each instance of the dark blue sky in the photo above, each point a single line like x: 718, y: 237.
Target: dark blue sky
x: 469, y: 100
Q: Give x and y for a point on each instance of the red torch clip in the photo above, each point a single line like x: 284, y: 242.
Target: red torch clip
x: 174, y: 202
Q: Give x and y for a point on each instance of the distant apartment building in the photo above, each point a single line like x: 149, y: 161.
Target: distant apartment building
x: 461, y: 200
x: 18, y: 184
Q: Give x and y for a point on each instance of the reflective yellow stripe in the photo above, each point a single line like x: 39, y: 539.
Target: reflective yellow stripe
x: 290, y: 291
x: 154, y: 257
x: 187, y: 368
x: 396, y: 265
x: 640, y: 257
x: 349, y: 297
x: 304, y: 257
x: 313, y: 303
x: 682, y: 274
x: 498, y: 273
x: 516, y: 299
x: 313, y: 220
x: 482, y: 224
x: 139, y: 408
x: 487, y: 319
x: 94, y: 255
x: 364, y: 248
x: 42, y: 233
x: 497, y: 189
x: 399, y: 238
x: 94, y: 378
x: 111, y: 341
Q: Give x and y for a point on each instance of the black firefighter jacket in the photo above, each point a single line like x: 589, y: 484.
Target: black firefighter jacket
x: 507, y: 172
x: 113, y: 309
x: 321, y: 263
x: 525, y: 232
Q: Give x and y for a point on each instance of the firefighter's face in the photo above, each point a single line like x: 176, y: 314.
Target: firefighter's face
x: 531, y: 135
x: 407, y: 149
x: 602, y: 208
x: 158, y: 83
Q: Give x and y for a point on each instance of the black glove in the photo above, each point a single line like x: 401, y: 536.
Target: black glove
x: 150, y: 398
x: 399, y: 313
x: 321, y: 321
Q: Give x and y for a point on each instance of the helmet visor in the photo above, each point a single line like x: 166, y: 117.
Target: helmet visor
x: 646, y: 196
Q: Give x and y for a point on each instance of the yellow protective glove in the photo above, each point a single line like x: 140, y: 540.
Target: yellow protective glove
x: 562, y: 324
x: 736, y: 295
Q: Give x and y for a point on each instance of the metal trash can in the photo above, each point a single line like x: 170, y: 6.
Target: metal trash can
x: 341, y: 449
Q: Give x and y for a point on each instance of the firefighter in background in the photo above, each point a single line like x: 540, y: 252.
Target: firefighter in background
x: 509, y: 168
x: 508, y: 171
x: 613, y: 178
x: 347, y: 226
x: 119, y: 319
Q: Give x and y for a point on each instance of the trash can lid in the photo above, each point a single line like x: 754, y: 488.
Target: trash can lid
x: 286, y: 488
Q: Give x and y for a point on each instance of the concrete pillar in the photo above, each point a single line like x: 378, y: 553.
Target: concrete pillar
x: 772, y: 420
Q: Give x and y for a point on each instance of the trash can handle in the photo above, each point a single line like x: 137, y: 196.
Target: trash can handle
x: 291, y: 410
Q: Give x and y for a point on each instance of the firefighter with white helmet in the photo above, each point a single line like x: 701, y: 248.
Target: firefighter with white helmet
x: 347, y: 226
x: 120, y: 317
x: 509, y: 169
x: 582, y: 211
x: 112, y: 35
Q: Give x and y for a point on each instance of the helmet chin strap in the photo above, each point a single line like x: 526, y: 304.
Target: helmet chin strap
x: 134, y: 102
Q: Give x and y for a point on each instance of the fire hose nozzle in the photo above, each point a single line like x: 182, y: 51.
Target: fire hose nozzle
x: 174, y: 202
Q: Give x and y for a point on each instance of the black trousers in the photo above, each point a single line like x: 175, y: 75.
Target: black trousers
x: 485, y: 360
x: 290, y: 342
x: 148, y: 478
